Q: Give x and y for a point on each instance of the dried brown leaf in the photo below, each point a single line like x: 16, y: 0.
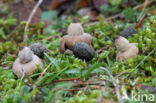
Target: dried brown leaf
x: 56, y: 3
x: 84, y: 3
x: 23, y: 9
x: 99, y: 3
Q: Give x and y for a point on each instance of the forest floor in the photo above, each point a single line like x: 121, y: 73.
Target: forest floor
x: 67, y: 79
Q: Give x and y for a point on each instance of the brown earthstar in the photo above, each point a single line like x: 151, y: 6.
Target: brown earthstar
x: 26, y: 62
x: 126, y: 49
x: 75, y: 35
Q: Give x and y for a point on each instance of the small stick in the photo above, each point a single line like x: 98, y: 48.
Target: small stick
x: 29, y: 20
x: 101, y: 95
x: 139, y: 24
x: 41, y: 75
x: 102, y: 49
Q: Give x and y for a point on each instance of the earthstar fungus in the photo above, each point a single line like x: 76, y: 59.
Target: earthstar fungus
x: 126, y: 49
x: 26, y: 62
x: 75, y: 35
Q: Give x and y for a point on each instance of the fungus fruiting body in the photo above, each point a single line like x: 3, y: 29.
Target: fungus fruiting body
x: 75, y: 29
x: 126, y: 49
x: 128, y: 32
x: 75, y: 35
x: 121, y: 43
x: 26, y: 63
x: 83, y: 51
x: 38, y: 49
x: 69, y: 41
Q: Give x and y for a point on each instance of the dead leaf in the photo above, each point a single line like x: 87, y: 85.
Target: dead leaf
x: 91, y: 12
x: 84, y: 3
x: 84, y: 11
x: 56, y: 3
x: 23, y: 9
x: 99, y: 3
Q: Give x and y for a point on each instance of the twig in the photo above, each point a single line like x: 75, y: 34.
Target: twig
x: 116, y: 16
x: 118, y: 93
x: 146, y: 3
x: 78, y: 89
x: 68, y: 79
x: 41, y: 75
x: 53, y: 36
x: 139, y: 24
x: 74, y: 80
x: 138, y: 6
x: 102, y: 49
x: 101, y: 95
x: 115, y: 83
x: 125, y: 72
x: 29, y: 20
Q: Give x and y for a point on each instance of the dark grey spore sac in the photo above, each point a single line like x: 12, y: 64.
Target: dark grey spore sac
x: 83, y: 51
x: 38, y: 49
x: 128, y: 32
